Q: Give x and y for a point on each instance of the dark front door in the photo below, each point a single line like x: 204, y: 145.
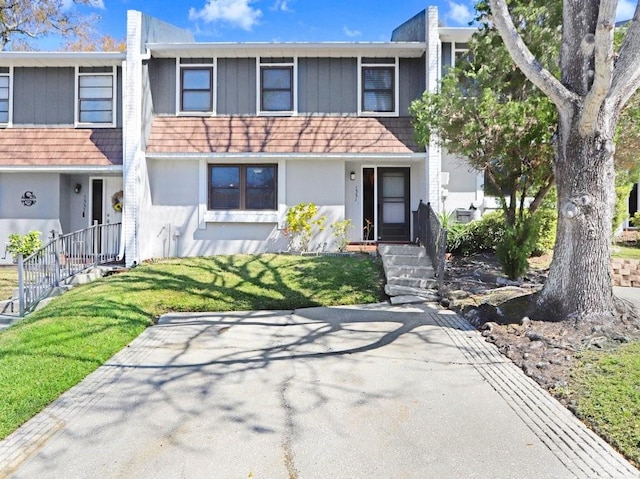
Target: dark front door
x: 393, y: 204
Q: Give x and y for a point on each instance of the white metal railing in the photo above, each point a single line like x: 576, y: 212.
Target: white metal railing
x: 63, y: 257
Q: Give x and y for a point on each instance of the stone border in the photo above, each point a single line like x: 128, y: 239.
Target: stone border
x: 625, y: 272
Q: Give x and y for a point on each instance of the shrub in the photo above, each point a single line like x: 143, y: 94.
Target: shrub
x: 635, y: 220
x: 547, y: 219
x: 341, y: 233
x: 476, y: 237
x: 302, y: 221
x: 26, y: 244
x: 518, y: 241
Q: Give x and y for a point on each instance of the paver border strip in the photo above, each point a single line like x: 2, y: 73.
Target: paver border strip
x: 581, y: 450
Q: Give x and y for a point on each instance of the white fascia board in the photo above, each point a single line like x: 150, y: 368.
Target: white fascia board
x: 250, y: 50
x: 61, y: 59
x: 456, y: 34
x: 61, y: 169
x: 285, y: 156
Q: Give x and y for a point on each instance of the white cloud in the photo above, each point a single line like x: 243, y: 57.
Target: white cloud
x: 238, y: 13
x: 625, y: 10
x: 282, y: 5
x: 459, y: 13
x: 351, y: 33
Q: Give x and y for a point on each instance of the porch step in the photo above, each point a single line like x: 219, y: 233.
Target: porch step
x: 409, y: 273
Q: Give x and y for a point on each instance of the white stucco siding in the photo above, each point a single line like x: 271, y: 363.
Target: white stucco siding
x: 45, y: 187
x: 465, y: 183
x: 321, y: 182
x: 173, y: 224
x: 15, y: 217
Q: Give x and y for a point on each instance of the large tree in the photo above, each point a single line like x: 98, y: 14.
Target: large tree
x: 24, y: 20
x: 487, y: 112
x: 594, y: 86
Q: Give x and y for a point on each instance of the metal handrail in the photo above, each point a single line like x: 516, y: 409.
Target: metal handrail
x: 63, y: 257
x: 433, y: 237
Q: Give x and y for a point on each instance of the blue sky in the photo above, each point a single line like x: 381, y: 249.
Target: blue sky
x: 281, y: 20
x: 287, y: 20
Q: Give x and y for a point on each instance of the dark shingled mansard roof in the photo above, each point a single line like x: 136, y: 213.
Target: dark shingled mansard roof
x: 296, y: 134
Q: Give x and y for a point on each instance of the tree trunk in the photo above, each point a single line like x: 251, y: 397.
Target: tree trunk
x: 579, y: 286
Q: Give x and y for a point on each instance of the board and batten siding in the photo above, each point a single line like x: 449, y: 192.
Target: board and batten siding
x: 412, y: 82
x: 162, y: 80
x: 236, y: 86
x: 327, y: 85
x: 43, y: 96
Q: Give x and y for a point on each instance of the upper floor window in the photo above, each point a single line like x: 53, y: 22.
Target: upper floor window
x: 379, y: 86
x: 277, y: 85
x: 96, y: 95
x: 5, y: 94
x: 196, y: 85
x: 243, y: 187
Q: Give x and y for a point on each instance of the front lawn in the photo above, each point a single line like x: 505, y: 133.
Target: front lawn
x: 626, y: 252
x: 8, y: 281
x: 56, y: 347
x: 606, y: 391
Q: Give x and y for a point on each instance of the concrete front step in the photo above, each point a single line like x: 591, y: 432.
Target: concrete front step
x: 406, y: 260
x: 418, y: 283
x: 402, y: 250
x: 396, y: 290
x: 420, y: 272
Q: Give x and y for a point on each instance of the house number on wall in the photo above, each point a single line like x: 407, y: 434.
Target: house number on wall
x: 28, y: 198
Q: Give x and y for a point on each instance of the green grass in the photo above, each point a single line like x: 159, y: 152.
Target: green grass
x: 8, y: 281
x: 56, y: 347
x: 606, y: 390
x: 627, y: 252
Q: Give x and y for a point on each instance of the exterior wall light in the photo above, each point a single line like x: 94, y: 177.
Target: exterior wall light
x: 352, y: 176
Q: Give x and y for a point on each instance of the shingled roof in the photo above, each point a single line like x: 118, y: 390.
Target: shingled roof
x: 60, y: 147
x: 298, y: 134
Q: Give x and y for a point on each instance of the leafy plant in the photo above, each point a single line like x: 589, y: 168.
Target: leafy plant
x: 341, y: 233
x: 26, y: 244
x: 368, y: 230
x: 635, y: 221
x: 516, y: 246
x: 302, y: 223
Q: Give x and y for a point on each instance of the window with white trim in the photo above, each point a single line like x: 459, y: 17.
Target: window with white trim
x: 243, y: 187
x: 5, y: 94
x: 379, y: 86
x: 96, y: 88
x: 277, y: 92
x: 196, y: 85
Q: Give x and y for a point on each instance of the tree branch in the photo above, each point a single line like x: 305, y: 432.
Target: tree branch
x: 603, y: 65
x: 626, y: 74
x: 522, y: 56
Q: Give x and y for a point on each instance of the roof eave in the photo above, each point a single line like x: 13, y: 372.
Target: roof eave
x: 248, y: 50
x: 61, y: 59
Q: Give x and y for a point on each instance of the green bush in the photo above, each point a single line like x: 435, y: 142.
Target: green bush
x: 302, y: 223
x: 341, y: 233
x: 476, y: 237
x: 635, y: 220
x: 547, y: 225
x: 515, y: 248
x: 26, y: 244
x: 485, y: 234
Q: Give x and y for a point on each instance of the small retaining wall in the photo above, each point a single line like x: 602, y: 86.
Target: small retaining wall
x: 626, y: 272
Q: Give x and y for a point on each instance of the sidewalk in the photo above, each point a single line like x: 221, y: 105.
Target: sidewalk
x: 375, y: 391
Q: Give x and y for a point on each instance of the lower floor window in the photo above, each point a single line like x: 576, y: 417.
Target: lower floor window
x: 242, y: 187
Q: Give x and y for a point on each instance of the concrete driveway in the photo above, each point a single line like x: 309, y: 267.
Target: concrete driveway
x: 351, y: 392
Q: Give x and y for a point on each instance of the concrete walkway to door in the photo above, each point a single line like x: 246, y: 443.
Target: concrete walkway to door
x: 369, y: 392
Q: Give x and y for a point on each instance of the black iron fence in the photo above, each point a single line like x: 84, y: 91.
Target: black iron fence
x: 63, y: 257
x: 431, y: 235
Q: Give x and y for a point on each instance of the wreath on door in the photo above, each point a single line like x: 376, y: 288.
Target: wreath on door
x: 116, y: 201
